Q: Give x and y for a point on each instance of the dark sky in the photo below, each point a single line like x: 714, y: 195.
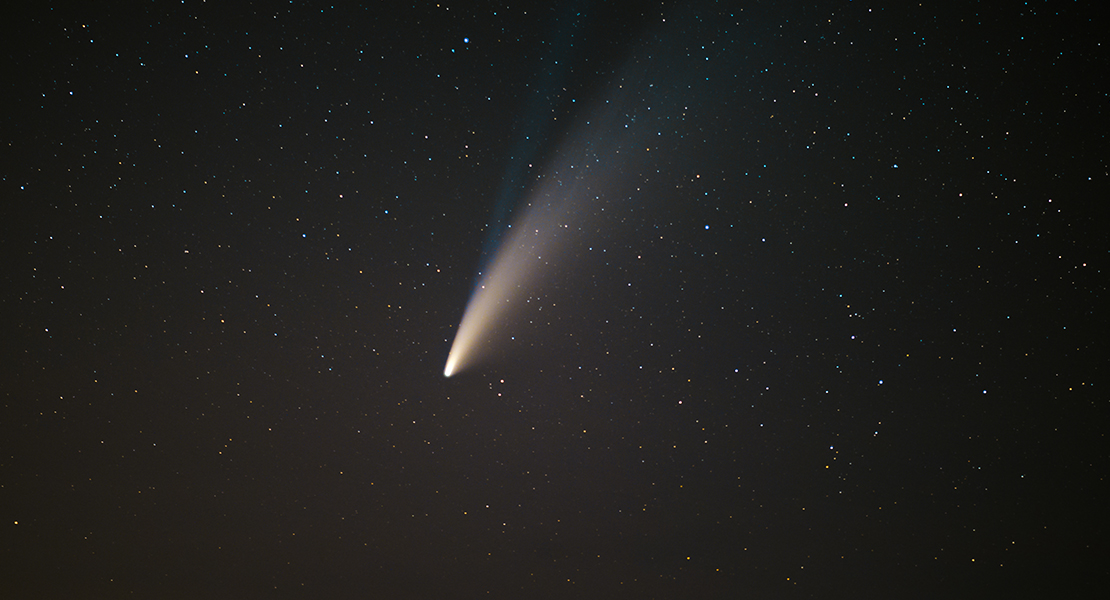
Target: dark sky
x: 829, y: 324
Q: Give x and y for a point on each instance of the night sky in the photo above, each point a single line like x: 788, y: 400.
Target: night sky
x: 826, y: 320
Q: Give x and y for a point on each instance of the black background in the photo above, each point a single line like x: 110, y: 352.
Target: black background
x: 830, y: 326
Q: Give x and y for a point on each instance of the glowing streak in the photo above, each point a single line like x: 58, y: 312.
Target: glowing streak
x: 520, y: 260
x: 590, y: 162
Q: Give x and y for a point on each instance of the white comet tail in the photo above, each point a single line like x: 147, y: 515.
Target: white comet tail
x: 561, y: 211
x: 521, y: 259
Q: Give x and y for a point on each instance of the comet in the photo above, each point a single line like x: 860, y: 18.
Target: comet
x: 596, y: 171
x: 562, y: 205
x: 527, y: 253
